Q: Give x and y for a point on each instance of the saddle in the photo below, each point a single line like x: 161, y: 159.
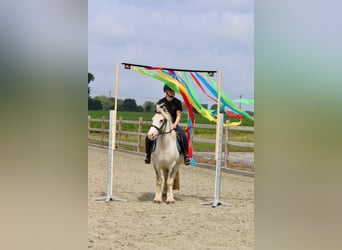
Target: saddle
x: 180, y: 144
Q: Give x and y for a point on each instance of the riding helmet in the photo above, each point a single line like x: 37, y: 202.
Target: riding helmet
x: 167, y: 88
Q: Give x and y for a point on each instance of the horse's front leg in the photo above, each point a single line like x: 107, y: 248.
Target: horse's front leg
x: 170, y: 180
x: 159, y: 185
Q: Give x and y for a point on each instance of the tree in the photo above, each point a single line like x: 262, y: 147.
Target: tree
x: 214, y: 107
x: 107, y: 102
x: 120, y: 105
x: 94, y: 104
x: 140, y: 108
x: 129, y: 105
x: 149, y: 106
x: 91, y: 78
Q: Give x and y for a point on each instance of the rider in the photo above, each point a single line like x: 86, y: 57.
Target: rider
x: 174, y: 107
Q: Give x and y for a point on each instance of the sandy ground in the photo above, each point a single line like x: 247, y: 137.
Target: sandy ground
x: 141, y: 224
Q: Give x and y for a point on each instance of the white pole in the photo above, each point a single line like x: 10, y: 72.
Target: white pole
x: 218, y: 152
x: 218, y: 163
x: 110, y: 157
x: 115, y: 105
x: 111, y: 145
x: 218, y: 114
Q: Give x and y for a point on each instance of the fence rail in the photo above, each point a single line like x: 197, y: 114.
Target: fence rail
x: 99, y: 135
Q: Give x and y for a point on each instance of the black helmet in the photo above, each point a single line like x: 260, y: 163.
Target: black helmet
x: 167, y: 88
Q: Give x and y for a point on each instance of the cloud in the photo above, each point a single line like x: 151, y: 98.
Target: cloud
x: 215, y: 35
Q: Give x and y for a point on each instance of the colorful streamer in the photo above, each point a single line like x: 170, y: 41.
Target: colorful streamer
x: 183, y: 82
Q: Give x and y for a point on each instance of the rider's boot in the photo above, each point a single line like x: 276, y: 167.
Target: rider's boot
x: 186, y: 159
x: 148, y: 159
x: 148, y: 145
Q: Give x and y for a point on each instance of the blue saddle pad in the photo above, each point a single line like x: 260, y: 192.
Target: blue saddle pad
x: 179, y: 146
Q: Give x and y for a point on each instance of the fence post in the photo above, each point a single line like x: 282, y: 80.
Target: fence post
x: 102, y: 130
x: 226, y: 145
x: 139, y: 131
x: 193, y: 130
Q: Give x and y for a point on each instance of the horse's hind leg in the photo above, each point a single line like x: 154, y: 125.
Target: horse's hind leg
x: 159, y: 186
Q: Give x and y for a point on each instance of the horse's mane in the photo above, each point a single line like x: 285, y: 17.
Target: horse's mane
x: 161, y: 108
x: 163, y: 111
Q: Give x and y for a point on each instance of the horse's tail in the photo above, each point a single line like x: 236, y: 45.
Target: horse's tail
x: 176, y: 182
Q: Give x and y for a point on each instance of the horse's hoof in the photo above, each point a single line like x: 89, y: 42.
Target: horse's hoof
x: 170, y: 202
x: 157, y: 201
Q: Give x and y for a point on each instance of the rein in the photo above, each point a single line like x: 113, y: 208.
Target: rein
x: 163, y: 132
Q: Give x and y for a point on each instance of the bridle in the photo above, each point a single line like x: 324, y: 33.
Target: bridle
x: 161, y: 129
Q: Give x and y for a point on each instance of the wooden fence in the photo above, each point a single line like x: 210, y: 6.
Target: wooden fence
x: 99, y: 135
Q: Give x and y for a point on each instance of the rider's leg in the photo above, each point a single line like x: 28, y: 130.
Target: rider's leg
x: 185, y: 141
x: 148, y: 147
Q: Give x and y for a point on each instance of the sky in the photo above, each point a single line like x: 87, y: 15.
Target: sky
x: 187, y: 34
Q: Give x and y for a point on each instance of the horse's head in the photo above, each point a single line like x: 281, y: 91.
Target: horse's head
x: 160, y: 123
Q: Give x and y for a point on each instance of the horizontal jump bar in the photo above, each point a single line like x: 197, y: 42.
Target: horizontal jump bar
x: 187, y: 70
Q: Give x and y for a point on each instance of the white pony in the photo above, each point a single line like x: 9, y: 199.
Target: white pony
x: 166, y: 158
